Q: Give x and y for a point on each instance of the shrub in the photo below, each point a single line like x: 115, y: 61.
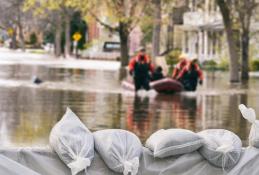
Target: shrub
x: 254, y: 65
x: 210, y: 65
x: 172, y: 57
x: 223, y: 64
x: 33, y: 39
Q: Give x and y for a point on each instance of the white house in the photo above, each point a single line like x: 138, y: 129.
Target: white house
x: 202, y: 31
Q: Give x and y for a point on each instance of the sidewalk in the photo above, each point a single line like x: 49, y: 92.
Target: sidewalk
x: 18, y: 57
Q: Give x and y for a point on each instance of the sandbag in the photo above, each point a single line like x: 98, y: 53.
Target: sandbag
x: 249, y: 114
x: 73, y: 142
x: 221, y: 148
x: 164, y: 143
x: 120, y: 150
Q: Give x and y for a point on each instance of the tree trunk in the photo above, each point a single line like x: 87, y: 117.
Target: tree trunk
x: 124, y: 35
x: 156, y: 29
x: 170, y: 34
x: 245, y: 55
x: 233, y: 51
x: 58, y: 34
x: 21, y: 36
x: 234, y: 55
x: 245, y: 15
x: 67, y: 36
x: 13, y: 44
x: 20, y: 29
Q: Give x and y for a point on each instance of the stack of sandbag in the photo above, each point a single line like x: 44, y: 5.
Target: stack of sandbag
x: 121, y: 150
x: 75, y: 144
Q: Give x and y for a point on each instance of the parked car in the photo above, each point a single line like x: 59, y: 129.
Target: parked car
x: 110, y: 46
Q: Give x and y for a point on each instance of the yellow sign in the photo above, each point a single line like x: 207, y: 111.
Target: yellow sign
x: 10, y: 31
x: 77, y: 36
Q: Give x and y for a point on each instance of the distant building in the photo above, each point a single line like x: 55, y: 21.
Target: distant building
x: 99, y: 33
x: 93, y: 30
x: 199, y: 30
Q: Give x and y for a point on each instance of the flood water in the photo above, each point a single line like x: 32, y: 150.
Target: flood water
x: 28, y: 111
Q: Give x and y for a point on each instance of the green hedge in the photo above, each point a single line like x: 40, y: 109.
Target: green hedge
x: 209, y: 65
x: 212, y: 65
x: 223, y: 64
x: 254, y: 65
x: 172, y: 57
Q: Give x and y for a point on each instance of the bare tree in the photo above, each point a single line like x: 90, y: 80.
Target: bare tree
x: 245, y: 10
x: 12, y: 17
x: 60, y: 13
x: 225, y: 8
x: 127, y: 13
x: 58, y: 33
x: 67, y: 12
x: 156, y: 28
x: 238, y: 13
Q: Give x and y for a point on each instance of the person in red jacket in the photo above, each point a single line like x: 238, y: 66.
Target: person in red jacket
x: 190, y: 75
x: 182, y: 63
x: 140, y: 68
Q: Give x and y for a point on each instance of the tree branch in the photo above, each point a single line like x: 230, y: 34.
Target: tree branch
x: 255, y: 5
x: 103, y: 23
x: 133, y: 7
x: 135, y: 23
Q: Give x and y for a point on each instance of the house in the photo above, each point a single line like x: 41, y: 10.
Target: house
x: 199, y: 30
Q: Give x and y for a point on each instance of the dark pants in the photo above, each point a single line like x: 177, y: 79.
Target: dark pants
x: 141, y: 83
x: 190, y: 80
x: 190, y: 85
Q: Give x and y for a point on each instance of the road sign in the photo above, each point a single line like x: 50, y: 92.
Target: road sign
x: 10, y: 31
x: 77, y: 36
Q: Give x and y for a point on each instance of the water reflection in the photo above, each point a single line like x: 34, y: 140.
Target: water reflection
x: 140, y: 117
x: 147, y: 115
x: 28, y: 113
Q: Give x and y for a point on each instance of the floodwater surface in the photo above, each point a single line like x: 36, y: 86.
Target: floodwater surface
x: 28, y: 111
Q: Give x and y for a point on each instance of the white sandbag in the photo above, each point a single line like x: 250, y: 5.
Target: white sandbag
x: 73, y: 142
x: 170, y: 142
x: 249, y: 114
x: 120, y: 150
x: 221, y: 148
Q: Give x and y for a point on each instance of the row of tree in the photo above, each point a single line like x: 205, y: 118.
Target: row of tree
x: 12, y: 20
x: 123, y: 16
x: 237, y: 16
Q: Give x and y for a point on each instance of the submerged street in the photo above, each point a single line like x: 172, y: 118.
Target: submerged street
x: 29, y: 111
x: 139, y: 87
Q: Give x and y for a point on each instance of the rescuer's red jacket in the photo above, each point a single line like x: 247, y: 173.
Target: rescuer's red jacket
x: 178, y: 68
x: 136, y: 59
x: 187, y: 68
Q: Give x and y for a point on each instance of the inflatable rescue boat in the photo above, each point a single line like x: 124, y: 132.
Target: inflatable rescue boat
x: 165, y: 85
